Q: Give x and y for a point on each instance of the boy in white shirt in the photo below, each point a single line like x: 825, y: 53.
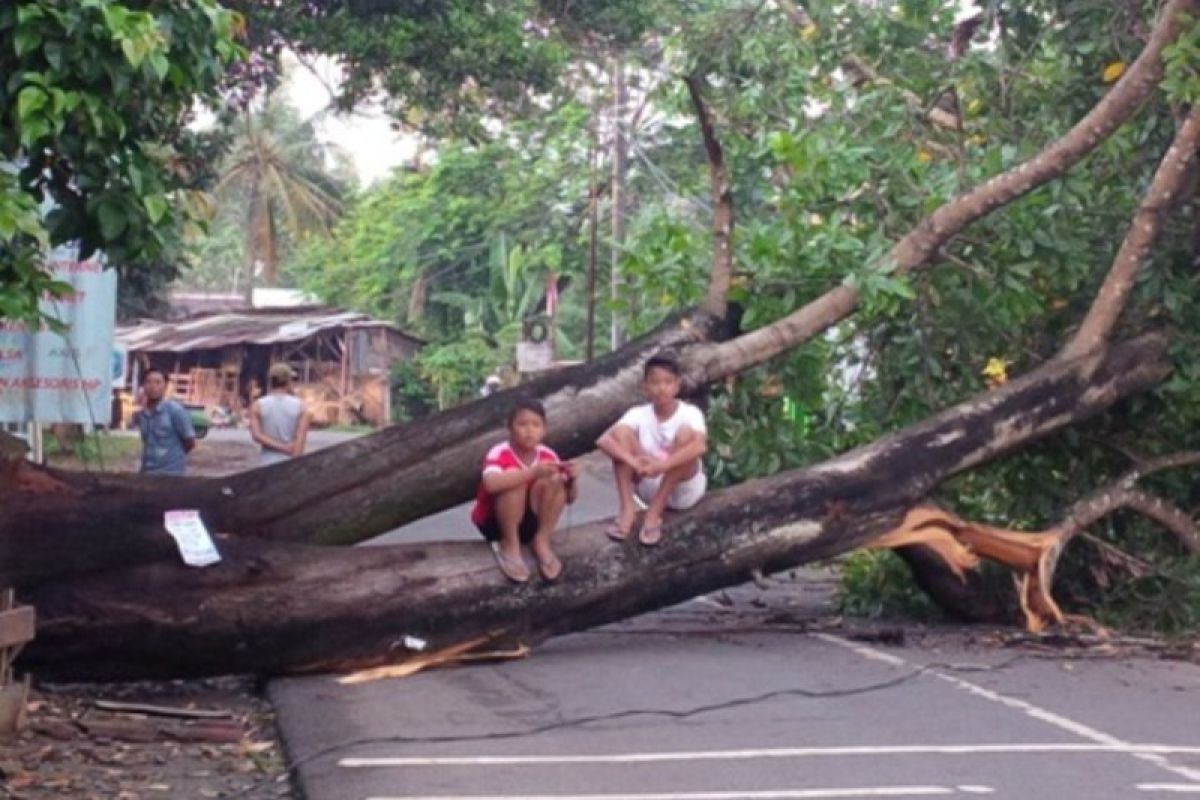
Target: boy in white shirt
x: 656, y: 450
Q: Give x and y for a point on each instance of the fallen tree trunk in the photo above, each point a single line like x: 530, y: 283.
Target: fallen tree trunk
x: 340, y: 495
x: 274, y: 607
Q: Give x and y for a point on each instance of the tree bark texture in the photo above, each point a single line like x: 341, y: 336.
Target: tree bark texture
x: 273, y: 607
x: 719, y: 279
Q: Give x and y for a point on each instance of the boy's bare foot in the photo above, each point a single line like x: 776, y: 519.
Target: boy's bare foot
x: 548, y: 563
x: 551, y: 568
x: 651, y: 532
x: 619, y: 529
x: 513, y: 567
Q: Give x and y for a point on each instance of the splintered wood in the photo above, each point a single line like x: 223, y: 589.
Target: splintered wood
x: 960, y: 544
x: 455, y: 654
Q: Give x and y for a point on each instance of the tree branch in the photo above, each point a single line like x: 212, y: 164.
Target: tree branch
x: 1169, y: 180
x: 722, y: 196
x: 1122, y: 493
x: 921, y: 245
x: 1099, y: 505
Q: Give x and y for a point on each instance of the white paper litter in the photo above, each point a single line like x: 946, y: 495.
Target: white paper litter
x: 196, y: 547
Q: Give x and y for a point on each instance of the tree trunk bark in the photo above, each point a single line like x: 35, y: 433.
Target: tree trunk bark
x: 271, y: 607
x: 721, y: 276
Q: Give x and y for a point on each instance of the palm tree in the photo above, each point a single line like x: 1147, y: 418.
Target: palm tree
x: 276, y: 170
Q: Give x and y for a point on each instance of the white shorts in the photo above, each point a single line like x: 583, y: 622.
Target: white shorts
x: 686, y: 494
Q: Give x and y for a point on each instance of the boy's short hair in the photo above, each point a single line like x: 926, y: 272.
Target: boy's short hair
x: 154, y: 370
x: 526, y: 404
x: 664, y: 361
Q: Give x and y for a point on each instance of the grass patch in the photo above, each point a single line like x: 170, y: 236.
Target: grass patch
x: 362, y: 429
x: 94, y: 451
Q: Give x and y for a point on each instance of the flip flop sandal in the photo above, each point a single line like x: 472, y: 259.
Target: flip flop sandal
x: 513, y: 568
x: 551, y: 568
x: 650, y: 535
x: 617, y: 533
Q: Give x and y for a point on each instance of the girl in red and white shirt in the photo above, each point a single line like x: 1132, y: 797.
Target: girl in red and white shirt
x: 523, y: 491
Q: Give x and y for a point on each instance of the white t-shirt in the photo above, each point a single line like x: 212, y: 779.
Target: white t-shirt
x: 655, y: 435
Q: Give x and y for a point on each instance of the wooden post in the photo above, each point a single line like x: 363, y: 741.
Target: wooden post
x: 345, y: 382
x: 16, y: 628
x: 37, y: 443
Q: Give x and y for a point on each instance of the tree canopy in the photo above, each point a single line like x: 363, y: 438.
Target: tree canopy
x: 94, y: 146
x: 843, y: 126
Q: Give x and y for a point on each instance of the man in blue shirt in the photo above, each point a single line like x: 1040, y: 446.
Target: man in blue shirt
x: 166, y: 429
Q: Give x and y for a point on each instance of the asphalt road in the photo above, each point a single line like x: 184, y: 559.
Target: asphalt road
x: 751, y: 694
x: 751, y: 700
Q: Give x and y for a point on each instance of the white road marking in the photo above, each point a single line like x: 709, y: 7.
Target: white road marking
x: 1178, y: 788
x: 772, y: 753
x: 1036, y: 712
x: 776, y: 794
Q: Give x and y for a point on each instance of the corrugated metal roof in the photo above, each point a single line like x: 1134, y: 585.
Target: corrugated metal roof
x: 223, y: 330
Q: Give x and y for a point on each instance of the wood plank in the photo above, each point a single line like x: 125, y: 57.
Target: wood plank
x: 16, y: 626
x: 161, y: 711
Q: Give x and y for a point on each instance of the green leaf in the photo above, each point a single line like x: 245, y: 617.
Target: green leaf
x: 160, y: 65
x: 26, y: 40
x: 156, y: 207
x: 30, y: 100
x: 133, y: 53
x: 112, y: 220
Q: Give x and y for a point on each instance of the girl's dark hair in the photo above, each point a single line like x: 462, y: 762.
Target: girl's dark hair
x: 665, y: 361
x: 528, y: 404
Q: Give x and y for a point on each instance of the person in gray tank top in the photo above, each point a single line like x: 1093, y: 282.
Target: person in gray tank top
x: 279, y: 420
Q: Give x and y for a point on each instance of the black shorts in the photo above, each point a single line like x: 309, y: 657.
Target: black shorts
x: 526, y: 530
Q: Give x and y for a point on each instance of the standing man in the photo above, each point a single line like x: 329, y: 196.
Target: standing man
x: 165, y: 427
x: 278, y: 419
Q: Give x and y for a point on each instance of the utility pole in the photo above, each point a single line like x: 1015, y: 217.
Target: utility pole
x: 619, y: 168
x: 594, y: 214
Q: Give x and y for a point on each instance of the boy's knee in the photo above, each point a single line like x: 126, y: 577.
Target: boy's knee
x: 547, y: 487
x: 626, y: 436
x: 684, y: 436
x: 513, y: 496
x: 684, y: 471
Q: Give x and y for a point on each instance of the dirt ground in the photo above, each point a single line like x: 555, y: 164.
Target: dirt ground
x: 220, y: 740
x: 214, y: 455
x: 75, y: 749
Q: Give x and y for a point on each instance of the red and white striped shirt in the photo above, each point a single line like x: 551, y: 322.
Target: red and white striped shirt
x: 503, y: 458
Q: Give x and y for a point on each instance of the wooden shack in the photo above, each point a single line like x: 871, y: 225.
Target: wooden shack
x: 342, y: 359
